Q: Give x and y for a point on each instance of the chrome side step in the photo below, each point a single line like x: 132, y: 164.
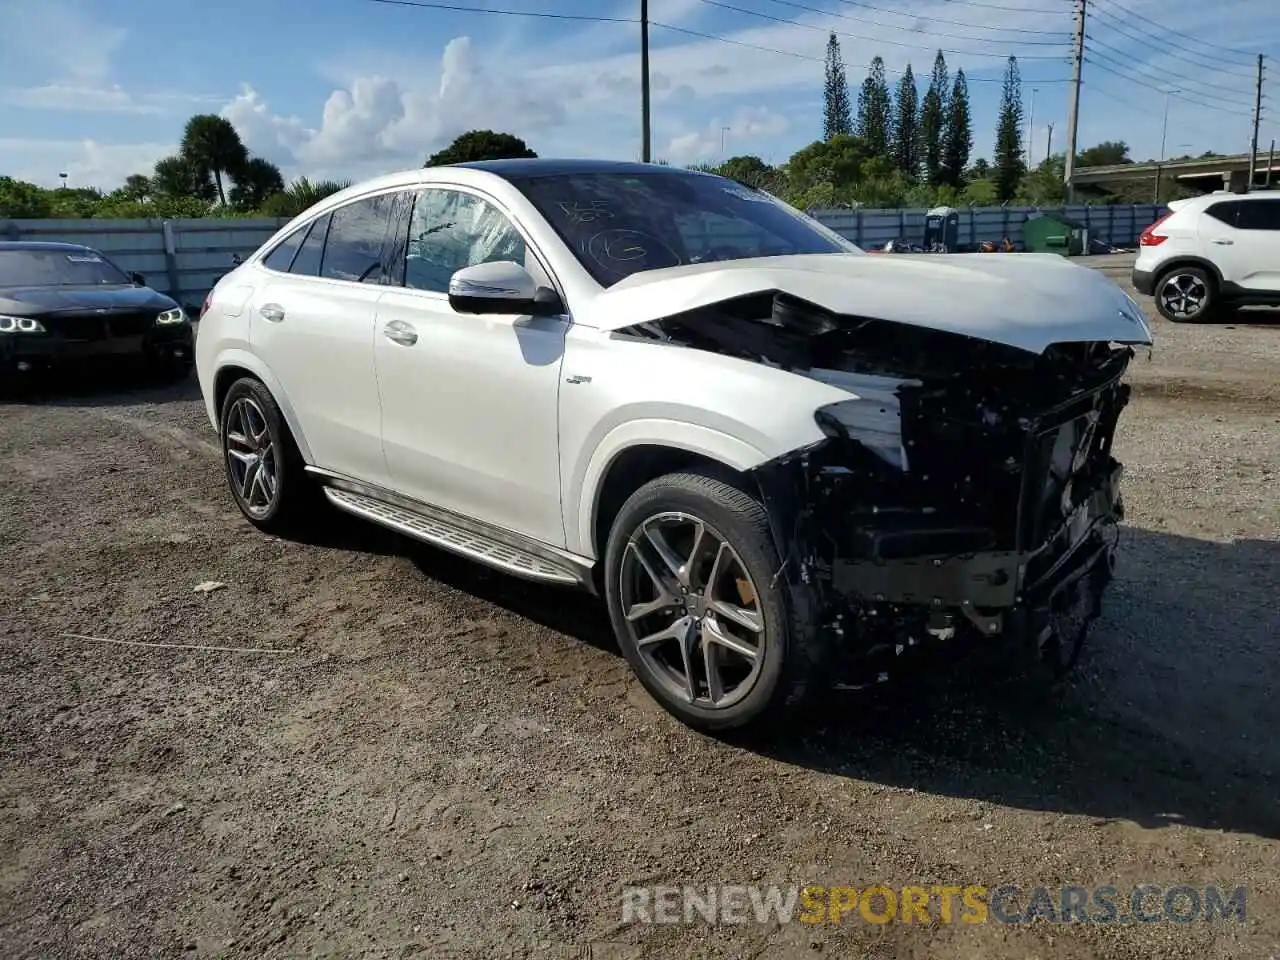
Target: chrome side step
x: 438, y: 531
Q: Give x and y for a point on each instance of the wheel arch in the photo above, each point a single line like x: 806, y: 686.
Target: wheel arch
x: 1189, y: 261
x: 636, y: 452
x: 236, y: 365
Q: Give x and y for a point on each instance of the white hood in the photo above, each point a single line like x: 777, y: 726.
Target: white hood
x: 1024, y: 300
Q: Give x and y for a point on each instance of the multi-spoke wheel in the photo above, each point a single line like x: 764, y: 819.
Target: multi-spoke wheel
x: 264, y: 470
x: 688, y: 579
x: 1185, y: 294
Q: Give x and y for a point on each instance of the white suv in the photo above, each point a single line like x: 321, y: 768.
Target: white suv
x: 780, y: 461
x: 1209, y: 253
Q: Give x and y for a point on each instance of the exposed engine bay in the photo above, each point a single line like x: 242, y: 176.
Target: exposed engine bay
x: 966, y: 488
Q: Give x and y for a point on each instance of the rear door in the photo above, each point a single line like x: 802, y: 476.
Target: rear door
x: 312, y: 322
x: 1221, y: 240
x: 1258, y: 244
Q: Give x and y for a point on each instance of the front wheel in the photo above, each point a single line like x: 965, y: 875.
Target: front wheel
x: 1186, y: 295
x: 689, y: 570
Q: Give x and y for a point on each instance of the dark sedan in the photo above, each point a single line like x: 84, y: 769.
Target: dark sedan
x: 62, y: 303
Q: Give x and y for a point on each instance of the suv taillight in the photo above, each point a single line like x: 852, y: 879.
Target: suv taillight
x: 1149, y: 238
x: 208, y: 299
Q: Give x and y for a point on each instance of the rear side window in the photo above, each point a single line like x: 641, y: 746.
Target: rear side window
x: 1225, y: 211
x: 282, y: 256
x: 361, y: 244
x: 307, y: 262
x: 1259, y: 215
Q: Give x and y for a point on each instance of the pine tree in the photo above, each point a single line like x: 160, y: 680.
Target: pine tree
x: 959, y: 136
x: 836, y: 119
x: 933, y: 120
x: 906, y: 126
x: 1009, y: 162
x: 874, y: 108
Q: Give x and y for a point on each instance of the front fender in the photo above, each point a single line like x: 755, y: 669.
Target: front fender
x: 593, y: 467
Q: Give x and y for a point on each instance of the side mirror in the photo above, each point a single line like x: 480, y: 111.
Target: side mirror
x: 137, y: 279
x: 504, y: 287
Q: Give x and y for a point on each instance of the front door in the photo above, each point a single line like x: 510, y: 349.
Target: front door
x: 469, y: 402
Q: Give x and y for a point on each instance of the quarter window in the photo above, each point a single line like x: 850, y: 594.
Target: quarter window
x: 361, y: 241
x: 307, y: 261
x: 1225, y: 211
x: 450, y: 230
x: 282, y: 256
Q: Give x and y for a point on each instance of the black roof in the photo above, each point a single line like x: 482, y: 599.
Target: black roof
x: 48, y: 245
x: 551, y: 167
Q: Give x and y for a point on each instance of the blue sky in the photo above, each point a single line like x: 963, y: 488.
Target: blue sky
x: 349, y: 88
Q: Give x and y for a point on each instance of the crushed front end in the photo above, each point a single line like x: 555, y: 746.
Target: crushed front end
x: 969, y: 491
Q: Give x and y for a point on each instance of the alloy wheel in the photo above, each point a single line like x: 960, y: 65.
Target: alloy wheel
x: 1183, y: 295
x: 692, y: 610
x: 251, y: 457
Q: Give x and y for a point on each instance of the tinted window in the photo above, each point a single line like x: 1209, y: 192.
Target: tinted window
x: 450, y: 230
x: 55, y: 268
x: 1259, y: 215
x: 618, y: 224
x: 360, y: 241
x: 282, y: 255
x: 307, y: 262
x: 1225, y: 211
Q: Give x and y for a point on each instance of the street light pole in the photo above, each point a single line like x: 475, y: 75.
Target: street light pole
x: 1031, y: 127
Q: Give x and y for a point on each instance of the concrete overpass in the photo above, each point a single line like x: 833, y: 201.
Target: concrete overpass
x: 1210, y: 173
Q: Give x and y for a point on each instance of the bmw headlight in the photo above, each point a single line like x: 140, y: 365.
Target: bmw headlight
x: 20, y: 325
x: 169, y: 317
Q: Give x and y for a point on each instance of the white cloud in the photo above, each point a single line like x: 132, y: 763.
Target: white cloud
x: 747, y: 125
x: 107, y: 99
x: 87, y: 163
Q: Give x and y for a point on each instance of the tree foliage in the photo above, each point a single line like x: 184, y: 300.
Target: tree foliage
x: 874, y: 109
x: 300, y: 195
x: 212, y: 146
x: 959, y: 135
x: 481, y: 145
x: 906, y: 127
x: 933, y: 120
x: 1105, y: 154
x: 177, y: 176
x: 256, y: 181
x: 1009, y: 163
x: 837, y: 118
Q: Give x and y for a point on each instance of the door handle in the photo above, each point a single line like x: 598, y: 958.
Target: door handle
x: 271, y: 311
x: 1224, y: 243
x: 397, y: 331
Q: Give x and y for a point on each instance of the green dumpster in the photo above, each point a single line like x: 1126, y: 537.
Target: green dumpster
x: 1054, y: 233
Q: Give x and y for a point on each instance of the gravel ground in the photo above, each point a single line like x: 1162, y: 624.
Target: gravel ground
x: 438, y: 761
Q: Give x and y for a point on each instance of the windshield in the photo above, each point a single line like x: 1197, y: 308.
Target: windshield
x: 56, y: 268
x: 618, y: 224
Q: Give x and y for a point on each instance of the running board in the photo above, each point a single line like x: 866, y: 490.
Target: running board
x: 439, y: 532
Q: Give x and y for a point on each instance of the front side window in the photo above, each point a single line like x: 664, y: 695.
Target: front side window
x: 449, y: 230
x: 361, y: 241
x: 53, y: 267
x: 618, y: 224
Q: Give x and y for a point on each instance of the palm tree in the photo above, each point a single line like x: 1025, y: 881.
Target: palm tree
x: 256, y: 181
x: 212, y: 144
x: 301, y: 195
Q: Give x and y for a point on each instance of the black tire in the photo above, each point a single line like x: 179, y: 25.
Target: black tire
x: 1197, y: 282
x: 293, y: 496
x: 734, y: 517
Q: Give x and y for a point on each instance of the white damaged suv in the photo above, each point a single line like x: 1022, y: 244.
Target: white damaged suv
x: 780, y: 462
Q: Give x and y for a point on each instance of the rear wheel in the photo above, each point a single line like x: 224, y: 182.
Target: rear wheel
x: 1186, y: 294
x: 265, y: 471
x: 689, y: 570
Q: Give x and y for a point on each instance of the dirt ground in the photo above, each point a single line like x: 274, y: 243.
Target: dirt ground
x: 433, y: 760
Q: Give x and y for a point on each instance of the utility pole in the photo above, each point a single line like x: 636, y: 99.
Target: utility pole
x: 1048, y: 147
x: 1257, y: 118
x: 1073, y: 111
x: 646, y: 144
x: 1271, y: 162
x: 1031, y: 127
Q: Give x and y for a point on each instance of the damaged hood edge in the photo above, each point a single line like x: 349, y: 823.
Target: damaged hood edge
x: 1027, y: 301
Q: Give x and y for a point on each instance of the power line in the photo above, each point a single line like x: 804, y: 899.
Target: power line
x: 957, y: 23
x: 1204, y: 83
x: 896, y: 43
x: 1151, y: 86
x: 1198, y: 41
x: 1002, y: 7
x: 1214, y: 61
x: 459, y: 8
